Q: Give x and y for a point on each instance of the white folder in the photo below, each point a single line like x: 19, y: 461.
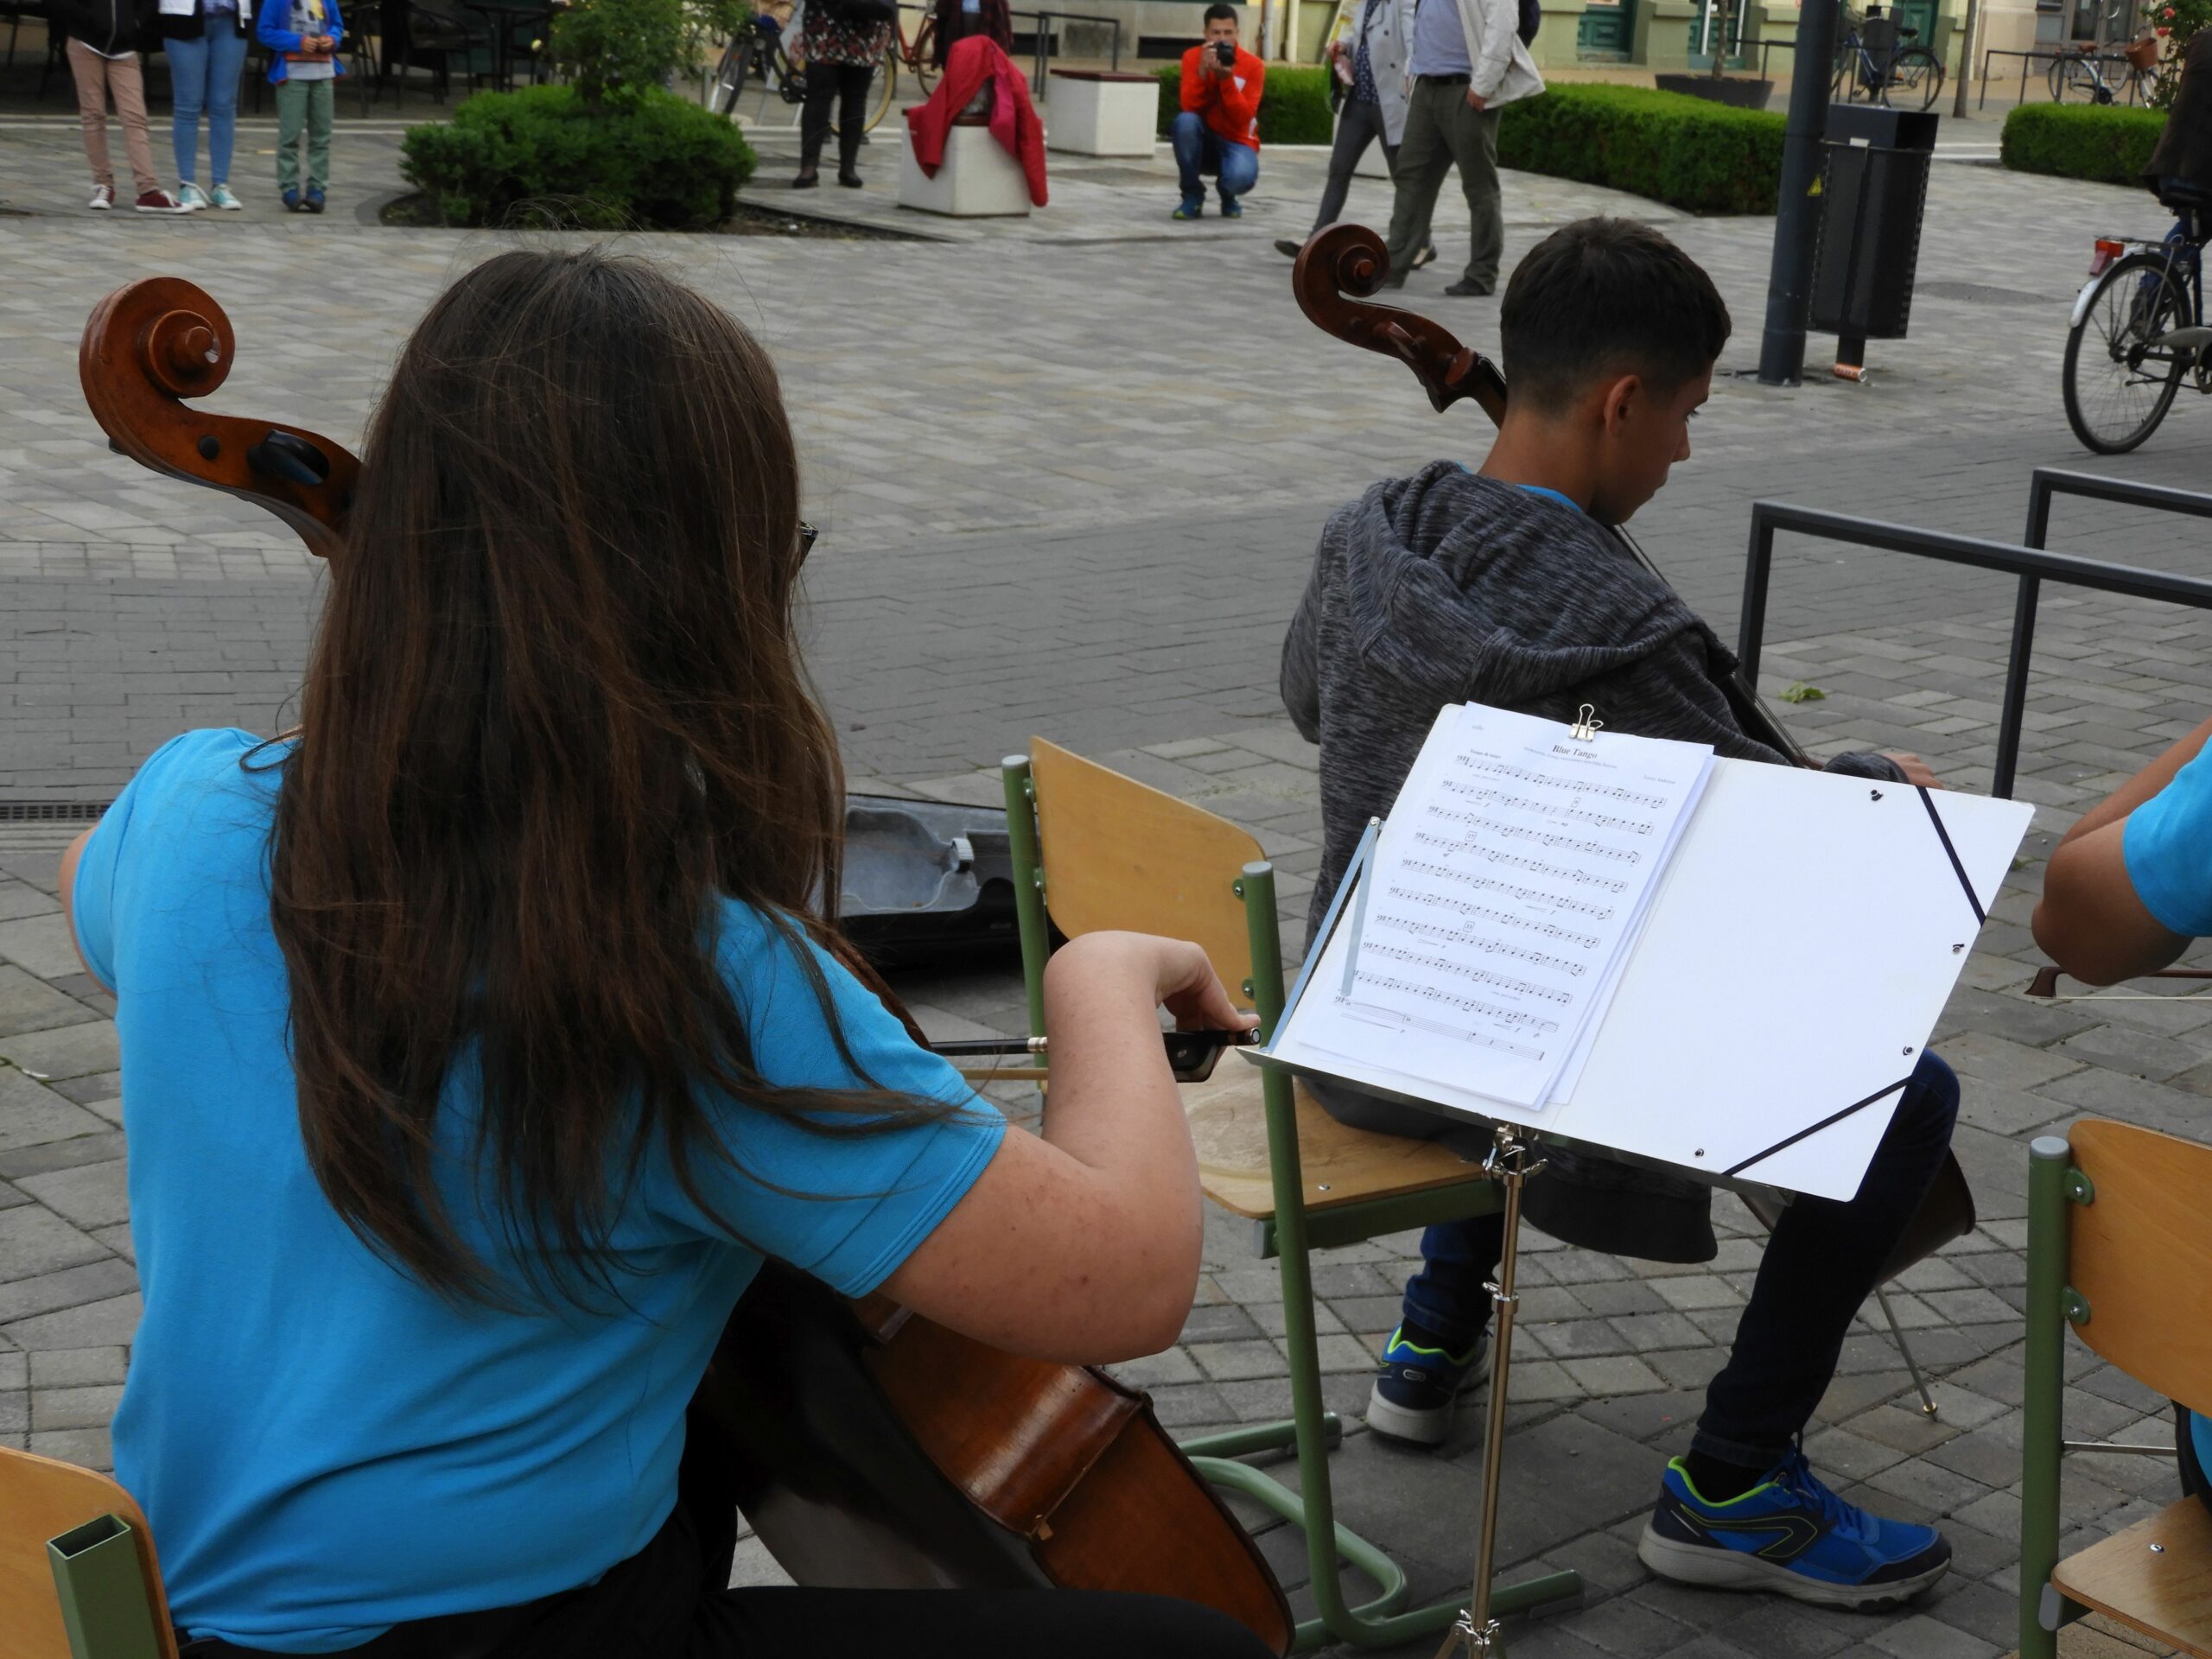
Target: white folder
x: 1799, y: 951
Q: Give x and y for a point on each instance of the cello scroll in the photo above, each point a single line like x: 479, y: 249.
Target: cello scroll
x: 1337, y: 268
x: 155, y: 342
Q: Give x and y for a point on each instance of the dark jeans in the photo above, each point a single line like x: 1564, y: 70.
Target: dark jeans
x: 1359, y: 124
x: 1200, y: 150
x: 849, y: 84
x: 1820, y: 1265
x: 669, y: 1601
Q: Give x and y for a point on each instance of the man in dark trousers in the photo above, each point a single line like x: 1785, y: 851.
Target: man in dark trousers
x: 1506, y: 587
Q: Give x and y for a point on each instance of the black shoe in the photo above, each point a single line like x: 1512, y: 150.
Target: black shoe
x: 806, y: 182
x: 850, y: 180
x: 1288, y: 249
x: 1464, y: 290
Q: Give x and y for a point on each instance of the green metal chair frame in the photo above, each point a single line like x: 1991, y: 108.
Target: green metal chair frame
x: 1291, y: 1236
x: 2056, y: 1185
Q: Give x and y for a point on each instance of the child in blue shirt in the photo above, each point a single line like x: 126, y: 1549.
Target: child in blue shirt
x: 2127, y: 890
x: 482, y: 1037
x: 302, y: 37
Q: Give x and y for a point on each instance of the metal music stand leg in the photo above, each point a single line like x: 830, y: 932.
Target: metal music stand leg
x: 1897, y: 1331
x: 1477, y: 1635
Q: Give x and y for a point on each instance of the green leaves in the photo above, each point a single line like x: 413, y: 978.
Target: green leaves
x: 642, y: 159
x: 2103, y: 143
x: 1798, y: 691
x: 1688, y: 152
x: 620, y: 48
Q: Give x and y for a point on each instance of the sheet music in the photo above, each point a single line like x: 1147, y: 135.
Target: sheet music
x: 1517, y: 863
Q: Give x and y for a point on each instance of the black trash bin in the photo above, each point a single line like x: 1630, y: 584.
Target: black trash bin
x: 1873, y: 189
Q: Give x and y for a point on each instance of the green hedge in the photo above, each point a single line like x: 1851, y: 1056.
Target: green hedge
x: 2101, y: 142
x: 1688, y: 152
x: 1294, y: 104
x: 658, y: 163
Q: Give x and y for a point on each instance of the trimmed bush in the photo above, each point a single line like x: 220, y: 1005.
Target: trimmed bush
x: 2102, y: 143
x: 1294, y: 104
x: 654, y: 161
x: 1688, y: 152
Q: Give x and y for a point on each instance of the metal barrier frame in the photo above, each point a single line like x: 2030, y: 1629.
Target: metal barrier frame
x: 2032, y: 564
x: 1044, y: 40
x: 2048, y: 53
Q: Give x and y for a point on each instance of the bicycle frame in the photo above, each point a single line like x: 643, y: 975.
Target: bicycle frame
x: 2185, y: 262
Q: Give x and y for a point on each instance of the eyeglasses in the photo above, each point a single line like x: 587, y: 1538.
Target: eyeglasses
x: 807, y: 537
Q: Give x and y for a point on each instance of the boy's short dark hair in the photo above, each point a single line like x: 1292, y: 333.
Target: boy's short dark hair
x: 1606, y: 297
x: 1215, y: 13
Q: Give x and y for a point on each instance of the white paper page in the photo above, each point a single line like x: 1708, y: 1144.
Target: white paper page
x: 1516, y: 861
x: 1798, y: 953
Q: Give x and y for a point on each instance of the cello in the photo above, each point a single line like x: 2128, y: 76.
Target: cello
x: 870, y: 1447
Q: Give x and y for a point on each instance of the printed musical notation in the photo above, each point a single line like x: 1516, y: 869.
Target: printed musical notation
x: 1500, y: 894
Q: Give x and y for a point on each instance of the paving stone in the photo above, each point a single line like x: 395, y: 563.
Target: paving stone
x: 33, y: 1241
x: 91, y: 1195
x: 71, y: 1368
x: 32, y: 1115
x: 65, y: 1051
x: 28, y: 1003
x: 85, y: 1407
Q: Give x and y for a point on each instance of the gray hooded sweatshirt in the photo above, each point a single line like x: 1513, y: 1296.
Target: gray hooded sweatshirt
x: 1448, y: 587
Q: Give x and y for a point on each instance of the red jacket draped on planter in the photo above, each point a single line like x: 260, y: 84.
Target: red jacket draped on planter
x: 1014, y: 118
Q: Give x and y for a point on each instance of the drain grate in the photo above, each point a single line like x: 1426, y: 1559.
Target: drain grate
x: 1979, y: 293
x: 52, y: 811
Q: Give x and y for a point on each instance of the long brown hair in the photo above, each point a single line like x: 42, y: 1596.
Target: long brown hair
x: 554, y: 713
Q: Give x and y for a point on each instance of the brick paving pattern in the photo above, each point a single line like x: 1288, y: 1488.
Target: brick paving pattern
x: 1093, y: 526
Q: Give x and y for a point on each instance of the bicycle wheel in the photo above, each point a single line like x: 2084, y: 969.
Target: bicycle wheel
x: 2139, y: 84
x: 2118, y: 383
x: 2072, y: 76
x: 730, y: 76
x: 1916, y: 80
x: 881, y: 93
x: 925, y: 73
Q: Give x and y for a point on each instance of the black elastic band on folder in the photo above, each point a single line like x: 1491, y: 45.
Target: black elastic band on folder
x: 1980, y: 916
x: 1825, y: 1122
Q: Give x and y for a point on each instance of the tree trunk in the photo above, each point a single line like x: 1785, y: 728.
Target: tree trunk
x: 1716, y: 38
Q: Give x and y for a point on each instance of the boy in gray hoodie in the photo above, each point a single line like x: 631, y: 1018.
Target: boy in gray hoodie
x: 1509, y: 587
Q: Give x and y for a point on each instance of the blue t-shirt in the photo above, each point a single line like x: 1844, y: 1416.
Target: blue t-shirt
x: 1439, y: 40
x: 2168, y: 847
x: 324, y: 1448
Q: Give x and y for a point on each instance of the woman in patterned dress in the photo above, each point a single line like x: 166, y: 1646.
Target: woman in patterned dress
x: 841, y: 40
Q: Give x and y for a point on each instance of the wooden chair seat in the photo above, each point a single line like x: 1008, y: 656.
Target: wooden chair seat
x: 1342, y: 1165
x: 2166, y: 1592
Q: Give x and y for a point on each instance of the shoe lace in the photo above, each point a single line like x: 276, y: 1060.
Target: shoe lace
x: 1795, y: 1476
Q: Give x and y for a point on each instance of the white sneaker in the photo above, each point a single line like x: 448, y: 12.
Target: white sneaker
x: 191, y: 197
x: 103, y: 198
x: 226, y: 200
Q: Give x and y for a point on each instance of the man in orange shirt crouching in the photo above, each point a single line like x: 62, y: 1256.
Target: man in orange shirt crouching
x: 1219, y: 131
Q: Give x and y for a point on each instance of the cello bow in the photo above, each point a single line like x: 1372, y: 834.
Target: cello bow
x: 872, y: 1447
x: 1337, y: 274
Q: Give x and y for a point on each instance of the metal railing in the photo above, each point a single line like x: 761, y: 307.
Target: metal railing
x: 1045, y: 21
x: 2048, y: 54
x: 2032, y: 564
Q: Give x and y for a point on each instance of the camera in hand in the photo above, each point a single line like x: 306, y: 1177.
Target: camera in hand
x: 1225, y: 52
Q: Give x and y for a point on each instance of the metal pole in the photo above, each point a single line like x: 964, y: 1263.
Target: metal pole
x: 1028, y: 884
x: 1966, y: 59
x: 2042, y: 1428
x: 2016, y: 688
x: 1477, y: 1632
x: 1757, y: 568
x: 1789, y: 278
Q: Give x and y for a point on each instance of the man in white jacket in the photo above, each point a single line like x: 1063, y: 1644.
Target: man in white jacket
x: 1467, y: 62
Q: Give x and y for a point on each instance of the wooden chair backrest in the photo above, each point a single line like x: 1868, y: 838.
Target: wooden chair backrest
x: 2140, y: 1254
x: 41, y: 1499
x: 1118, y: 854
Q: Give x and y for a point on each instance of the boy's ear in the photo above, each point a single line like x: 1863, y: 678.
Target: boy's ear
x: 1617, y: 399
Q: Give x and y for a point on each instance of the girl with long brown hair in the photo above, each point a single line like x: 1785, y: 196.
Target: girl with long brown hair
x: 480, y: 1040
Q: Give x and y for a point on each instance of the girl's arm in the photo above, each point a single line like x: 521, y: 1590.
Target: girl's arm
x: 1081, y: 1245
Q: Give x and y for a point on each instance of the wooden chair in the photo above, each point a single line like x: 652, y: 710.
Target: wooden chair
x: 2120, y: 1246
x: 1093, y: 850
x: 77, y: 1572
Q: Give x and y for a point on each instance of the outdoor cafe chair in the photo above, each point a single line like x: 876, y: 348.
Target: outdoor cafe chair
x: 2119, y: 1248
x: 77, y: 1572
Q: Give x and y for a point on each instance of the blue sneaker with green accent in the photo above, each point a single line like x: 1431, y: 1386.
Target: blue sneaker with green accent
x: 1189, y: 210
x: 1416, y: 1387
x: 1792, y: 1535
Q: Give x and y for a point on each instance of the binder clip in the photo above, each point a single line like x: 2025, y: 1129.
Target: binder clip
x: 1586, y: 724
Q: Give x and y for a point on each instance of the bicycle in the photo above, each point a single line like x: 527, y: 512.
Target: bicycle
x: 756, y: 56
x: 2080, y: 72
x: 1913, y: 73
x: 2137, y: 327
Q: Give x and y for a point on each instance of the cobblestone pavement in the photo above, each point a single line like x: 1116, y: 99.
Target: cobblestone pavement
x: 1072, y: 489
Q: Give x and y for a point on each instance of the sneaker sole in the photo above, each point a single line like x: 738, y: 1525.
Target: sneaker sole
x: 1731, y: 1569
x: 1430, y: 1427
